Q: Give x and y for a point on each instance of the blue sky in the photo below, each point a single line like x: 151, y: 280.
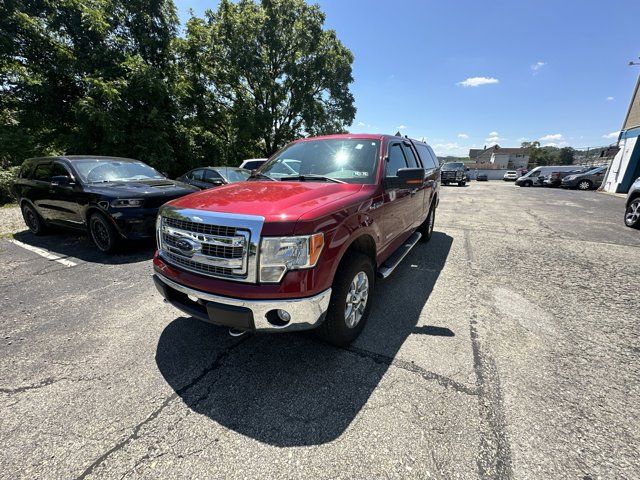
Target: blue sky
x: 467, y: 73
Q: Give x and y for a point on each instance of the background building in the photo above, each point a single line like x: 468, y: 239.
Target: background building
x: 625, y: 167
x: 511, y: 158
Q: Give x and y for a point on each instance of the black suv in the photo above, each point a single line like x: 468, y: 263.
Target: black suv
x: 111, y: 197
x: 454, y: 172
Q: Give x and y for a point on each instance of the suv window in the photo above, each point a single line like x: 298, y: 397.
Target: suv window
x: 59, y: 169
x: 396, y: 160
x: 412, y: 161
x: 427, y: 156
x: 43, y: 172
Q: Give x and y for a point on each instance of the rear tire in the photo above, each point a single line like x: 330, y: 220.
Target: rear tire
x: 632, y: 214
x: 33, y: 220
x: 527, y: 184
x: 349, y: 307
x: 462, y: 184
x: 102, y: 233
x: 426, y: 229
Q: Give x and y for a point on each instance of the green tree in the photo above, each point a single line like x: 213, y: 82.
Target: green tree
x: 566, y: 156
x: 88, y: 76
x: 277, y: 72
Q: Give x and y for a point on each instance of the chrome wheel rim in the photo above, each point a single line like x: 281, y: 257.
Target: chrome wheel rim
x: 357, y: 297
x: 583, y: 185
x: 633, y: 213
x: 100, y: 234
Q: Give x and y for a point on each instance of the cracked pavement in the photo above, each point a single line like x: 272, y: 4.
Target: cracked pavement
x: 506, y: 348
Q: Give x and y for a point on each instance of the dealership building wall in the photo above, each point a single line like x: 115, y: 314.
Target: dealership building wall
x: 625, y: 167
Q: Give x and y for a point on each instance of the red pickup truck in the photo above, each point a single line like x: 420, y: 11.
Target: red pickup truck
x: 299, y: 244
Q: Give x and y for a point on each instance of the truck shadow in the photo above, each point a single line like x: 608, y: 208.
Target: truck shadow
x: 291, y: 389
x: 67, y: 244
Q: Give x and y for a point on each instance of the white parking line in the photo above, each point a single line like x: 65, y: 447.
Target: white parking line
x: 44, y: 253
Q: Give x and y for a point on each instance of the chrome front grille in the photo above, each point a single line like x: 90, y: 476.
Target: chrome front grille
x: 209, y: 243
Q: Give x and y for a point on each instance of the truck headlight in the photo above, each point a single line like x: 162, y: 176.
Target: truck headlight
x: 127, y: 202
x: 280, y: 254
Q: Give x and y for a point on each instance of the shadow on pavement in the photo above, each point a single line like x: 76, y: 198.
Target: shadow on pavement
x: 291, y: 389
x: 70, y: 244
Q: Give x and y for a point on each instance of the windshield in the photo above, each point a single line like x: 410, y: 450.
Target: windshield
x: 452, y: 166
x: 347, y: 160
x: 234, y: 174
x: 98, y: 171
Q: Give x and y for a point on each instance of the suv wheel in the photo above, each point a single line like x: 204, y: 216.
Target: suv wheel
x: 426, y: 229
x: 462, y: 184
x: 632, y: 215
x: 584, y: 185
x: 528, y: 183
x: 350, y: 303
x: 102, y: 233
x: 33, y: 220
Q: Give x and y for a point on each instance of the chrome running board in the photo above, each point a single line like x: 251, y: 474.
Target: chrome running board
x: 394, y: 260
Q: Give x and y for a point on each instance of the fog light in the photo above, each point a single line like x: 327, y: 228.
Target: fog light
x: 284, y: 316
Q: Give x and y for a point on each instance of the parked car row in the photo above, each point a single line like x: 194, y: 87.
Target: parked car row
x: 571, y: 176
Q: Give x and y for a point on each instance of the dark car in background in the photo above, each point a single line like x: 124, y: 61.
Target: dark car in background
x: 209, y: 177
x: 632, y: 211
x: 554, y: 179
x: 585, y: 181
x: 453, y: 172
x: 482, y: 177
x: 110, y: 197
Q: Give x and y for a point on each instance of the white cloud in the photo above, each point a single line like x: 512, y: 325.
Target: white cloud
x: 463, y: 135
x: 552, y: 137
x: 362, y: 124
x: 450, y: 148
x: 523, y: 139
x: 537, y: 66
x: 611, y: 136
x: 493, y: 134
x: 402, y: 127
x: 477, y: 81
x: 493, y: 139
x: 609, y: 99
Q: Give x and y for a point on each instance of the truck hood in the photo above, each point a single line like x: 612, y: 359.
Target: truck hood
x: 275, y: 201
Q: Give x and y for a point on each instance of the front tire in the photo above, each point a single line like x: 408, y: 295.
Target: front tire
x: 584, y: 185
x: 350, y: 304
x: 35, y: 223
x: 103, y: 234
x: 632, y: 214
x: 462, y: 184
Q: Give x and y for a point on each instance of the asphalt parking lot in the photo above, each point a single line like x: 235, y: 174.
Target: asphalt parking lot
x: 507, y: 347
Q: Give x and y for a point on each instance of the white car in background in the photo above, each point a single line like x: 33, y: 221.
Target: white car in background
x: 253, y: 163
x: 510, y: 176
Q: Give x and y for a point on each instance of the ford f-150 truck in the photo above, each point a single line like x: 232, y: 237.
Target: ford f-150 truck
x: 300, y: 243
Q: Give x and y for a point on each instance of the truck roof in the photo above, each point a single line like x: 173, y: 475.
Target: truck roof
x: 363, y: 136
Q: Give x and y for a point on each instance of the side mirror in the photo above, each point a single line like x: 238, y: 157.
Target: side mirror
x: 407, y: 178
x: 61, y: 180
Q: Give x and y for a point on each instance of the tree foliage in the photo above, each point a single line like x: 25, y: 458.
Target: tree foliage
x: 114, y: 77
x: 548, y: 155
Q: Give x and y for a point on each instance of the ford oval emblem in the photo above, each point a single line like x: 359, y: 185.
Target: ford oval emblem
x: 186, y: 246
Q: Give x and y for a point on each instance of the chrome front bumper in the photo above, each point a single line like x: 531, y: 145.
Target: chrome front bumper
x: 245, y: 314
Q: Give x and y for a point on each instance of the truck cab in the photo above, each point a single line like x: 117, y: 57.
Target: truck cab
x: 299, y: 245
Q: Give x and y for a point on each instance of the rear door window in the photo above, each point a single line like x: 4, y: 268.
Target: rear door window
x: 59, y: 170
x: 412, y: 161
x: 196, y: 174
x: 396, y: 160
x: 427, y: 156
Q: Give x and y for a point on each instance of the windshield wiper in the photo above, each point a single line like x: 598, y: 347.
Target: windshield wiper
x: 256, y: 174
x: 313, y: 177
